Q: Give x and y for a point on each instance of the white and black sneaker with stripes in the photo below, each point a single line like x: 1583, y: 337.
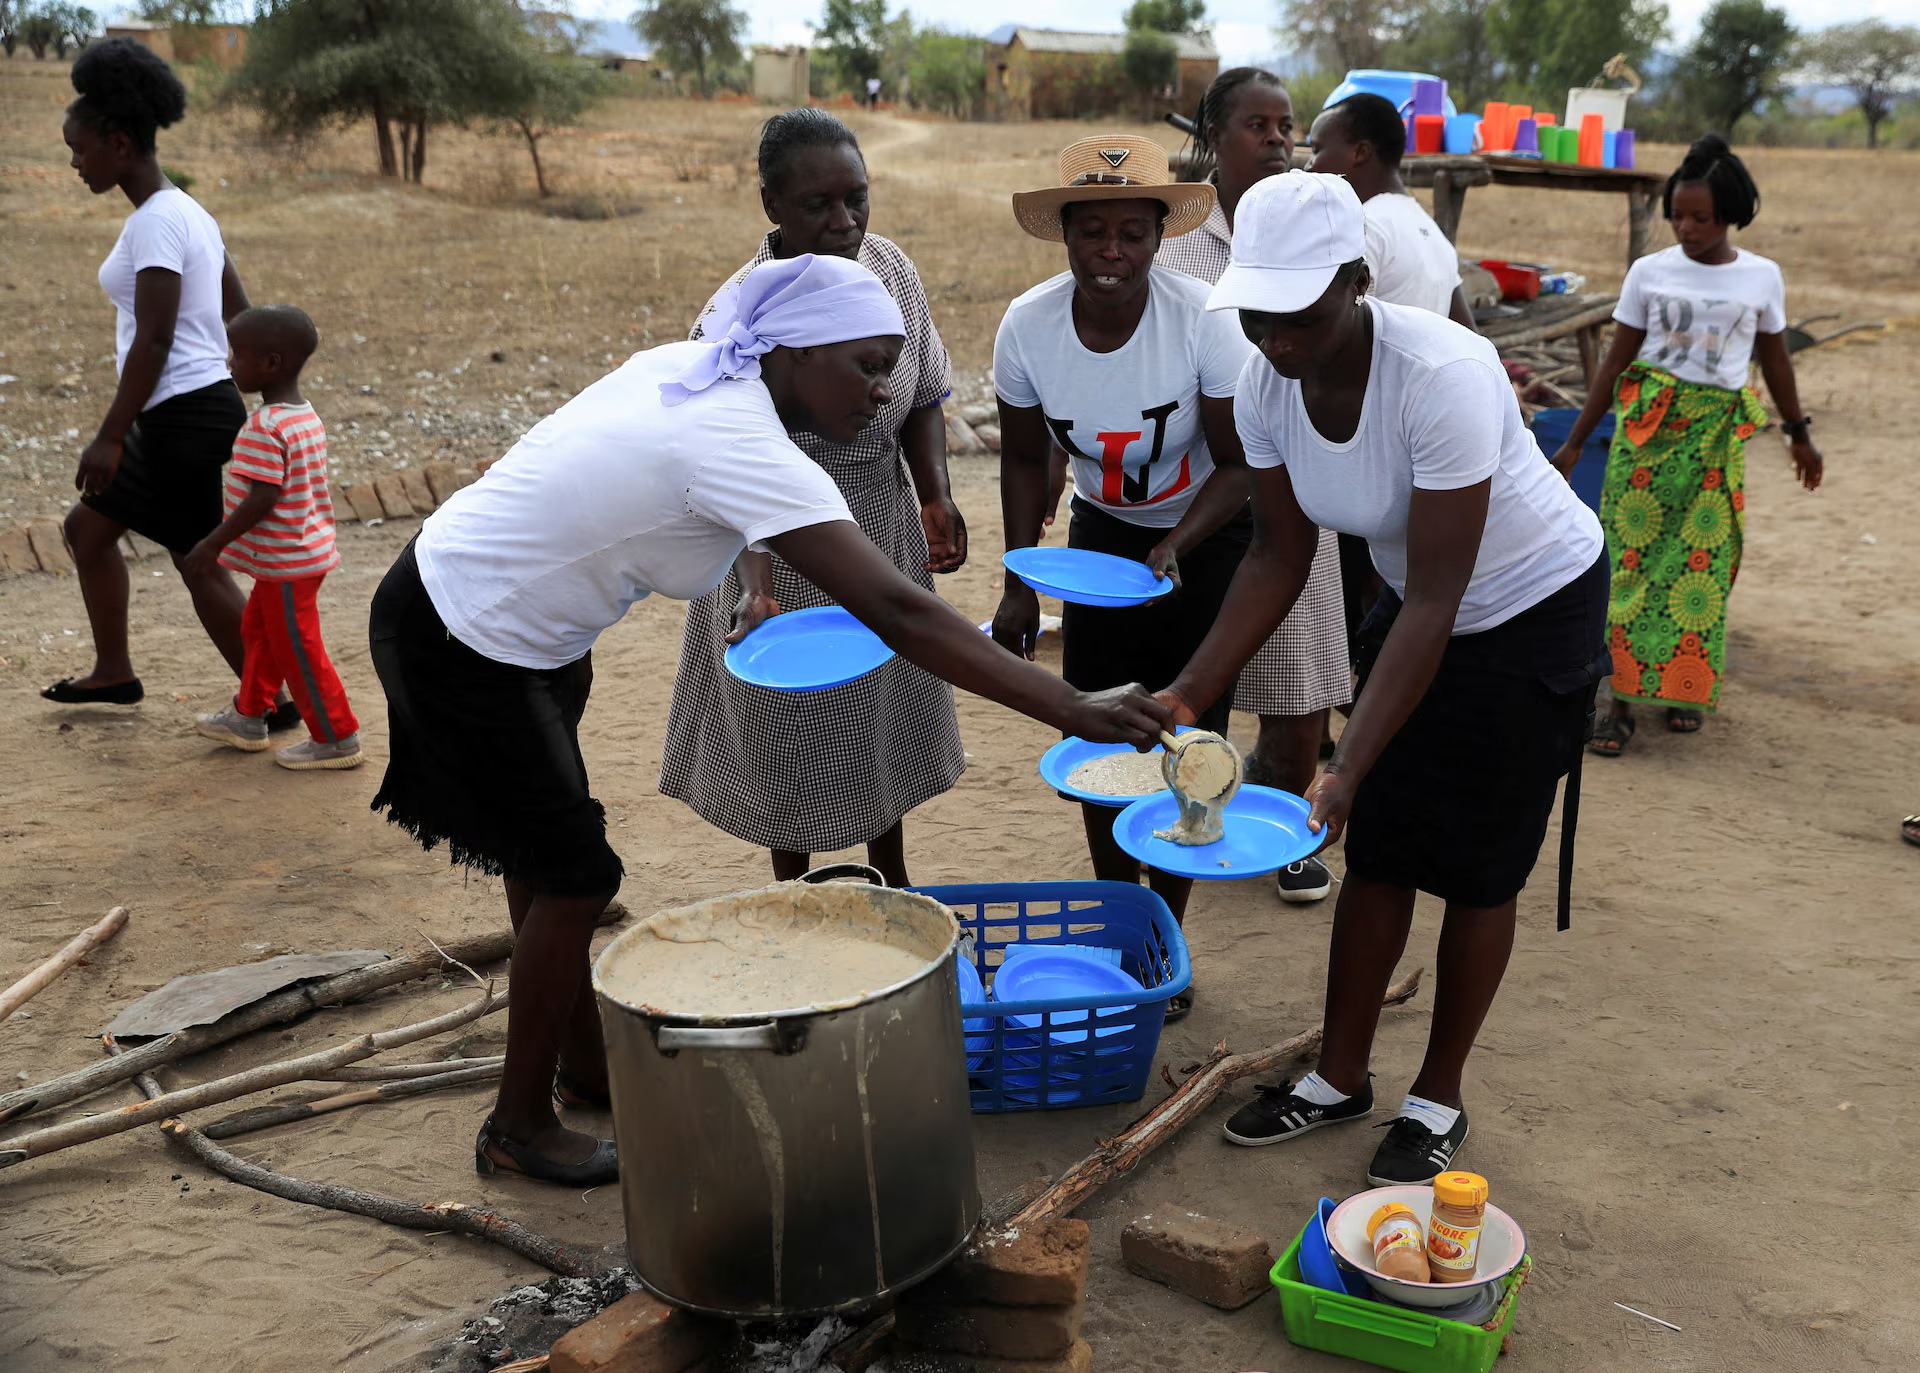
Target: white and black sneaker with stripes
x: 1412, y: 1153
x: 1278, y: 1114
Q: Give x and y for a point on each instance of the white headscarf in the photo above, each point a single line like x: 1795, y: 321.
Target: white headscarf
x: 796, y: 302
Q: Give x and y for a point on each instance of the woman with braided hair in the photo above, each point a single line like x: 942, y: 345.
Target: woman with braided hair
x: 1690, y: 321
x: 1245, y: 127
x: 155, y: 466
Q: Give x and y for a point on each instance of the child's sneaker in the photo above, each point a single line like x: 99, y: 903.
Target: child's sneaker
x: 230, y: 727
x: 311, y: 753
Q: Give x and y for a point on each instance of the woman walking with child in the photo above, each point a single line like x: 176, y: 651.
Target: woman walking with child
x: 800, y: 774
x: 1689, y: 322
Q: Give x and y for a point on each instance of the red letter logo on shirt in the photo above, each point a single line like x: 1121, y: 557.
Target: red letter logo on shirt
x: 1117, y: 485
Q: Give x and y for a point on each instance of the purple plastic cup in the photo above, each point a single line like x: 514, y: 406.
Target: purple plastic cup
x: 1623, y: 149
x: 1526, y: 138
x: 1429, y: 97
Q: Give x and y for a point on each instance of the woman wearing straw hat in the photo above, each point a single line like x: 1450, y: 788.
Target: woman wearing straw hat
x: 652, y: 480
x: 1245, y: 123
x: 732, y: 749
x: 1122, y: 367
x: 1478, y: 663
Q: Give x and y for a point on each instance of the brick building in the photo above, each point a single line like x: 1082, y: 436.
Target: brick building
x: 225, y: 44
x: 1054, y: 74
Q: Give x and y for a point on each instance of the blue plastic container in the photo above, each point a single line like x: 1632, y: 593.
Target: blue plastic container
x: 1609, y: 149
x: 1551, y: 428
x: 1463, y: 131
x: 1394, y: 85
x: 1049, y: 1059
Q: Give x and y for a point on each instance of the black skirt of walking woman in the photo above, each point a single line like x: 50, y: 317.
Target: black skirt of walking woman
x: 485, y: 756
x: 172, y: 466
x: 1459, y: 801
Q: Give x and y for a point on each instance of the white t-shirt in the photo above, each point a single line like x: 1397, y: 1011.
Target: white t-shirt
x: 1411, y: 260
x: 609, y: 499
x: 1701, y: 320
x: 172, y: 231
x: 1129, y: 419
x: 1440, y: 415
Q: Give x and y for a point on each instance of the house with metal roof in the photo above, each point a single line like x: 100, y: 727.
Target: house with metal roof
x: 1058, y: 74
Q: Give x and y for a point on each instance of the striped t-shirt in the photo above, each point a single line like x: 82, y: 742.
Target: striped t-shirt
x: 285, y: 446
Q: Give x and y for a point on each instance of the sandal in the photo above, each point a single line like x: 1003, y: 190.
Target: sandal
x: 598, y: 1169
x: 65, y: 691
x: 1685, y: 721
x: 1179, y: 1005
x: 1611, y: 735
x: 1910, y: 830
x: 571, y: 1091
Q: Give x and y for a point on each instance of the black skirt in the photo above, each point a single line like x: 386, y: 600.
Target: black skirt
x: 1459, y: 801
x: 1149, y: 644
x: 485, y: 756
x: 172, y: 465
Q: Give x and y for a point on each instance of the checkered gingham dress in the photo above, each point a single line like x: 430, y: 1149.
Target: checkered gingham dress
x: 812, y: 772
x: 1303, y: 667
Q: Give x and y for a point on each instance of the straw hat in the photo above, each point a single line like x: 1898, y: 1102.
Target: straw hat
x: 1117, y: 166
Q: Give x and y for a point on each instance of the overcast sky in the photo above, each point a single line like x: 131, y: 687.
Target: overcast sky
x: 1243, y: 29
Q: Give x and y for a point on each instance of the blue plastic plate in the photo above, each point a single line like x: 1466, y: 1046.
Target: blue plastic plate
x: 1266, y: 830
x: 1060, y: 762
x: 972, y: 993
x: 1084, y: 577
x: 807, y: 650
x: 1317, y: 1262
x: 1041, y: 974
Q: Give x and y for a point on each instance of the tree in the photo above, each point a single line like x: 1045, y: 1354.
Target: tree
x: 947, y: 72
x: 538, y: 91
x: 1547, y: 46
x: 1169, y: 16
x: 1342, y: 33
x: 701, y: 34
x: 186, y: 14
x: 854, y: 34
x: 1151, y: 61
x: 1453, y: 39
x: 1738, y: 60
x: 77, y: 24
x: 1878, y: 62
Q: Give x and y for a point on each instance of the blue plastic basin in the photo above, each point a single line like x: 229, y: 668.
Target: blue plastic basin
x: 1393, y: 85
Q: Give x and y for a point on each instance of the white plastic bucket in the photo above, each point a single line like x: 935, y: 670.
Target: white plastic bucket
x: 1611, y: 106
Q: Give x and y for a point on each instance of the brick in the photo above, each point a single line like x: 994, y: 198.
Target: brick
x: 343, y: 511
x: 392, y: 495
x: 1220, y: 1264
x: 636, y: 1335
x: 363, y: 502
x: 1035, y: 1265
x: 443, y: 479
x: 480, y: 468
x: 997, y: 1332
x: 417, y: 490
x: 16, y: 550
x: 1078, y: 1359
x: 961, y: 438
x: 50, y: 546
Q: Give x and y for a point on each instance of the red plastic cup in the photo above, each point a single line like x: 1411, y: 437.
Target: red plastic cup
x: 1429, y: 133
x: 1593, y: 140
x: 1495, y: 135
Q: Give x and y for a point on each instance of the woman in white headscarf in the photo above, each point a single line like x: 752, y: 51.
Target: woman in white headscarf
x: 654, y: 479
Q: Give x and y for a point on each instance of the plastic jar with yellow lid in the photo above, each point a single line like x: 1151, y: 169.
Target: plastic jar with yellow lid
x: 1399, y: 1244
x: 1453, y: 1233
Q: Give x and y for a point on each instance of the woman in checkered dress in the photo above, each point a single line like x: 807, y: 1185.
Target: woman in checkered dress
x: 805, y: 773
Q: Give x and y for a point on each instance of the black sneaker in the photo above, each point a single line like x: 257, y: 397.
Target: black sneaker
x: 283, y: 717
x: 1276, y: 1115
x: 1411, y: 1153
x: 1307, y: 880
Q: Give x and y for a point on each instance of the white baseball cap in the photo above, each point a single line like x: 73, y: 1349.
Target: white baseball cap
x: 1291, y: 234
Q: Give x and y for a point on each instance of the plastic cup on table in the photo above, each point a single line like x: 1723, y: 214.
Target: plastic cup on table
x: 1623, y: 149
x: 1494, y: 135
x: 1429, y: 133
x: 1545, y: 120
x: 1526, y: 138
x: 1609, y: 153
x: 1566, y: 144
x: 1463, y: 133
x: 1429, y: 97
x: 1593, y: 135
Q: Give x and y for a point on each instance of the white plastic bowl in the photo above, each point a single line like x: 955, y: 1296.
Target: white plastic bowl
x: 1502, y: 1245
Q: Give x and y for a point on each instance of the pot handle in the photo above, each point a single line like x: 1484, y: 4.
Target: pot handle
x: 833, y: 871
x: 770, y: 1036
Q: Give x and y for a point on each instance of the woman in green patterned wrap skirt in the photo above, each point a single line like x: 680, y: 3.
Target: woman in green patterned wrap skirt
x: 1690, y: 322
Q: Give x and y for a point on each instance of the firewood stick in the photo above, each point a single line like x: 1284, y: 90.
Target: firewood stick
x: 286, y: 1112
x: 273, y: 1010
x: 396, y: 1072
x: 77, y: 948
x: 89, y: 1128
x: 409, y: 1215
x: 1117, y: 1157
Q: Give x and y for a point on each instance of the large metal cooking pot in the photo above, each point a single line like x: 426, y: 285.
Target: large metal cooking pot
x: 800, y: 1162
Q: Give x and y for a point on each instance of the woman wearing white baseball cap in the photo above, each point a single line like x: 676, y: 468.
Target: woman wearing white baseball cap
x: 1478, y: 666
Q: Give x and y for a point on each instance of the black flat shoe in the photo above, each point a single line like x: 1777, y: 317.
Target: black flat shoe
x: 597, y: 1170
x: 569, y: 1090
x: 283, y: 717
x: 119, y: 694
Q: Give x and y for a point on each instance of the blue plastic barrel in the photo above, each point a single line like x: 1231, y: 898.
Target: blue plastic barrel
x: 1551, y: 428
x: 1393, y: 85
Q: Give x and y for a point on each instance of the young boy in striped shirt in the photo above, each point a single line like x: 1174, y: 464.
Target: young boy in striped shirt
x: 279, y: 531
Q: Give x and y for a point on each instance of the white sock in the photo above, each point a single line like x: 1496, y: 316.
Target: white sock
x: 1431, y: 1114
x: 1314, y: 1088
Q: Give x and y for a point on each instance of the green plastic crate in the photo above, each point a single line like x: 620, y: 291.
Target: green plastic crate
x: 1390, y: 1336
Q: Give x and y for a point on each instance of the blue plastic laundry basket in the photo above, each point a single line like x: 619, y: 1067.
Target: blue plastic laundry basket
x: 1551, y: 428
x: 1025, y: 1069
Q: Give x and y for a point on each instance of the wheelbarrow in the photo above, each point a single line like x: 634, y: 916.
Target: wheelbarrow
x: 1801, y: 337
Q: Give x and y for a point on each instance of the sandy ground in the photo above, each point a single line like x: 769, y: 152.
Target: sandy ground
x: 1692, y: 1101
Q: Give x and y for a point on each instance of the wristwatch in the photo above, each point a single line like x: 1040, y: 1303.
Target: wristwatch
x: 1796, y: 429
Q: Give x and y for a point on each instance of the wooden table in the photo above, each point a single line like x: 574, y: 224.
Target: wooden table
x: 1556, y: 317
x: 1451, y: 177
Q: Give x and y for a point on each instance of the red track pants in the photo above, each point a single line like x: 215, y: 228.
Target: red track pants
x: 281, y: 628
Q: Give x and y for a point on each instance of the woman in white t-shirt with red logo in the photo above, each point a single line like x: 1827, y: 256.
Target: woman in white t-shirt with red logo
x: 1122, y: 367
x: 1690, y: 322
x: 1478, y: 662
x: 156, y: 465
